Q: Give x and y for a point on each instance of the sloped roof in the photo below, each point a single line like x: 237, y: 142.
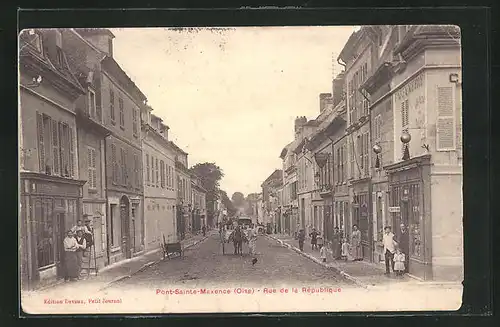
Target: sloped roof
x: 110, y: 64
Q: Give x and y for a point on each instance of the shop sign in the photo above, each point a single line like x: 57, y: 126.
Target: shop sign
x: 394, y: 209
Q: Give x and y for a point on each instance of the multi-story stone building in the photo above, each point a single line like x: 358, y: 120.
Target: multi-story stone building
x: 305, y: 167
x: 269, y: 197
x: 184, y: 205
x: 160, y: 197
x: 426, y: 95
x: 85, y: 61
x: 357, y: 56
x: 124, y: 182
x: 198, y: 200
x: 51, y: 190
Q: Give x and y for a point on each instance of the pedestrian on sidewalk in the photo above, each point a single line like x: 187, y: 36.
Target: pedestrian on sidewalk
x: 321, y: 241
x: 337, y: 243
x: 389, y: 249
x: 314, y: 239
x: 404, y: 244
x: 204, y: 230
x: 302, y: 237
x: 252, y: 240
x: 357, y: 251
x: 323, y: 253
x: 81, y: 247
x: 399, y: 262
x: 345, y: 249
x: 70, y: 259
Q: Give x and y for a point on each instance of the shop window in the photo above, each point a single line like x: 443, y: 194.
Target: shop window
x: 46, y: 245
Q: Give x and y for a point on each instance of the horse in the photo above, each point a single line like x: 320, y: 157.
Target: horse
x: 237, y: 240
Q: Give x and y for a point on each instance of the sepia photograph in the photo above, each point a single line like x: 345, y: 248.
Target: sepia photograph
x: 240, y: 169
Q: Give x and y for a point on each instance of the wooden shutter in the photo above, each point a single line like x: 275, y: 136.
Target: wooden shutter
x: 367, y: 153
x: 112, y: 105
x: 89, y: 168
x: 157, y: 173
x: 41, y: 146
x: 445, y: 127
x: 152, y: 171
x: 136, y: 170
x: 113, y: 164
x: 63, y: 141
x: 71, y: 147
x: 55, y: 148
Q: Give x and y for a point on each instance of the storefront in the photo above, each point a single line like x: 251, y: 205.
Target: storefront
x: 409, y: 187
x: 360, y: 208
x: 50, y: 205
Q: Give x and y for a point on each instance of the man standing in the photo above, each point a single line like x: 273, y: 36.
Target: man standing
x: 389, y: 249
x: 404, y: 244
x: 301, y: 236
x: 204, y: 230
x: 314, y: 239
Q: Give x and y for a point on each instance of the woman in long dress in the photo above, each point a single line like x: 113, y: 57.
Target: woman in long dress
x: 357, y: 252
x: 70, y: 259
x: 337, y: 243
x: 252, y: 242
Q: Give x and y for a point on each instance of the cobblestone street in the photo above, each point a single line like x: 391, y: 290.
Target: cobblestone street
x: 205, y: 265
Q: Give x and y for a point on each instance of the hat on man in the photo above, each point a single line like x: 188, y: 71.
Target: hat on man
x: 70, y: 232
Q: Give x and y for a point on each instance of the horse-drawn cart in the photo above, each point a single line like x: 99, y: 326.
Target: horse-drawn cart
x: 227, y: 236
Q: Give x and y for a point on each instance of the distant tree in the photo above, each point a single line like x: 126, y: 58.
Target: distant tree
x: 210, y: 175
x: 238, y: 199
x: 231, y: 210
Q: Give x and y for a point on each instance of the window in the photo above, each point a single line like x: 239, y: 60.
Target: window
x: 122, y: 113
x: 114, y: 164
x: 445, y: 127
x: 46, y: 233
x: 91, y: 166
x: 92, y: 106
x: 157, y: 173
x: 112, y: 215
x: 60, y: 56
x: 112, y: 106
x: 147, y: 169
x: 162, y: 174
x: 134, y: 122
x: 352, y: 154
x: 56, y: 150
x: 366, y: 153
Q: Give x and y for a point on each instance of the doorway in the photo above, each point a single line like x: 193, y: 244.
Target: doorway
x: 125, y: 226
x: 59, y: 235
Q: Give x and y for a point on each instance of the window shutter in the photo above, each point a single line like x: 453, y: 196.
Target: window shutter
x: 41, y: 148
x: 63, y: 148
x: 445, y: 129
x: 112, y: 105
x: 55, y: 147
x: 89, y: 168
x: 113, y: 163
x: 71, y: 169
x: 94, y: 177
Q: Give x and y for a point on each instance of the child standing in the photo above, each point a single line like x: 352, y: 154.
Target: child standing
x: 320, y: 241
x: 345, y: 249
x: 322, y: 253
x: 399, y: 262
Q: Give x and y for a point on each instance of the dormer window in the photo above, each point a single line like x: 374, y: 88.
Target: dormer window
x: 60, y: 55
x: 92, y: 104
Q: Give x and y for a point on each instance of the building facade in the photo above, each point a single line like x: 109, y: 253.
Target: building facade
x: 184, y: 205
x: 426, y: 97
x: 160, y: 197
x: 85, y: 61
x: 270, y: 188
x: 51, y: 190
x: 124, y: 181
x: 199, y: 209
x: 357, y: 56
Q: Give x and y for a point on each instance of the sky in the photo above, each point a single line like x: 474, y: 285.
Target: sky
x: 231, y: 97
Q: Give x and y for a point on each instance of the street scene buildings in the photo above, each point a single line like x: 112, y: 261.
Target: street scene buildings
x: 384, y: 148
x: 337, y: 183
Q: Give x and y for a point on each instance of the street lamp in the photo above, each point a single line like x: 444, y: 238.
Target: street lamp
x: 377, y: 149
x: 405, y: 139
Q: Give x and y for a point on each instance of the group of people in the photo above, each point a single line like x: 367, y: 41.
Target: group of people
x: 396, y: 251
x: 77, y: 242
x: 238, y: 236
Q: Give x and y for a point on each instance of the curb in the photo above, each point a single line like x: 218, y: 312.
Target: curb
x: 147, y: 265
x: 316, y: 260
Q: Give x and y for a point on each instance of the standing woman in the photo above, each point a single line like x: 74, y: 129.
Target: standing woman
x: 337, y: 243
x: 252, y: 242
x: 81, y: 246
x: 70, y: 259
x: 356, y: 244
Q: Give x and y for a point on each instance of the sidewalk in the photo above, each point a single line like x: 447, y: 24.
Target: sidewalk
x: 118, y: 271
x: 364, y: 274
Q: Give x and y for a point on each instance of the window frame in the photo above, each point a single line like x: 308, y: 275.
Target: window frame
x: 112, y: 111
x: 91, y: 168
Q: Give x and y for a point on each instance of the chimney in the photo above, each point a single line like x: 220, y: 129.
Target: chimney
x: 299, y: 122
x: 338, y: 89
x: 101, y: 38
x: 324, y: 100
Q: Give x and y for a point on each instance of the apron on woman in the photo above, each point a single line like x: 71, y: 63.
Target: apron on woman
x: 357, y: 252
